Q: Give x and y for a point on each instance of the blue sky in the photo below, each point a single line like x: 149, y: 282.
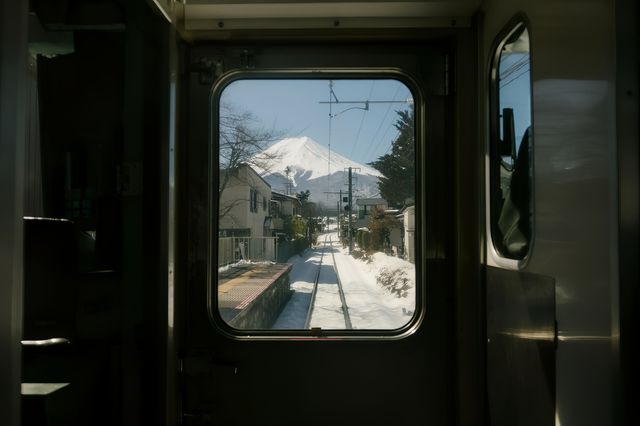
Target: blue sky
x: 293, y: 107
x: 515, y: 90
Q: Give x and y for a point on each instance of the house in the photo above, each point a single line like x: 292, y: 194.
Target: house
x: 282, y: 206
x: 365, y: 206
x: 243, y: 209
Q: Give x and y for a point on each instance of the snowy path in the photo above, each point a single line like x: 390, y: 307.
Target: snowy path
x: 370, y: 305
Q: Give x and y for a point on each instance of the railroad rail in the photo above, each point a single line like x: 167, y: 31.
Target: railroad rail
x: 338, y: 283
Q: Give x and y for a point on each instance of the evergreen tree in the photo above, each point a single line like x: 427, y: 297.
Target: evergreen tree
x: 309, y: 209
x: 303, y: 196
x: 398, y: 166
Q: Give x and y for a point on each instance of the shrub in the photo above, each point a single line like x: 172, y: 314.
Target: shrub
x: 395, y: 281
x: 363, y: 239
x: 380, y: 225
x: 300, y: 244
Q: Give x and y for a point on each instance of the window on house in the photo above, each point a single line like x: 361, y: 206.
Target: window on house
x: 253, y: 200
x: 511, y: 145
x: 315, y: 146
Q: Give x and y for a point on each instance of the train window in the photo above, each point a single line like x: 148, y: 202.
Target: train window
x: 334, y: 159
x: 511, y: 145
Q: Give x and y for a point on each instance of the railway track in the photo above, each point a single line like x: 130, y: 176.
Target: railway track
x: 328, y: 306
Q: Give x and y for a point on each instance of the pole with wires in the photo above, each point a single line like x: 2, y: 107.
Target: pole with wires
x: 332, y: 99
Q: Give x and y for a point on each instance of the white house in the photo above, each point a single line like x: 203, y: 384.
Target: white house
x: 365, y: 206
x: 244, y: 204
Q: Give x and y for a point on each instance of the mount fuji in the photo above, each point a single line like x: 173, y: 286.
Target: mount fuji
x: 310, y: 169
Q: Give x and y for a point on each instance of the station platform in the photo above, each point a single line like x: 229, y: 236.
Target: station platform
x: 251, y: 296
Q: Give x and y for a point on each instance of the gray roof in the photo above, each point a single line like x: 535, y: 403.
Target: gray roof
x: 370, y: 201
x: 281, y: 197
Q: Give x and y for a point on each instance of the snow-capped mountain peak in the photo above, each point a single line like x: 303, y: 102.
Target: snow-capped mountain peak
x: 300, y: 164
x: 304, y: 156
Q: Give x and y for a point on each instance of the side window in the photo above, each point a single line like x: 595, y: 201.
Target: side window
x: 511, y: 145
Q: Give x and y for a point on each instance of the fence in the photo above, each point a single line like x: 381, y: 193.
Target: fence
x: 234, y: 249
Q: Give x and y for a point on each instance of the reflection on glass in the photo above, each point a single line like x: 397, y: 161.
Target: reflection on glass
x: 316, y: 204
x: 512, y: 206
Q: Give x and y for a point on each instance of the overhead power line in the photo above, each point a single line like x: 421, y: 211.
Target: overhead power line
x: 364, y: 114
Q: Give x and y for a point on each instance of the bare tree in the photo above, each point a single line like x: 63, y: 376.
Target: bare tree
x: 242, y: 142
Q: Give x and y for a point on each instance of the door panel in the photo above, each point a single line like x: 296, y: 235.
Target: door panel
x: 520, y: 348
x: 229, y: 381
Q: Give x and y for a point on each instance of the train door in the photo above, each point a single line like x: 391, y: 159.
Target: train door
x: 551, y: 274
x: 235, y: 372
x: 520, y: 306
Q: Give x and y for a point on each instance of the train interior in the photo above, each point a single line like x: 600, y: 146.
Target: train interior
x: 526, y: 298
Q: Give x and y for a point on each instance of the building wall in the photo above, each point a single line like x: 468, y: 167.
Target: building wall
x: 237, y: 194
x: 409, y: 224
x: 287, y: 208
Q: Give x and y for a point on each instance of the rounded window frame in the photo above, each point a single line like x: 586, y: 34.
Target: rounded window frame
x: 215, y: 318
x: 494, y: 251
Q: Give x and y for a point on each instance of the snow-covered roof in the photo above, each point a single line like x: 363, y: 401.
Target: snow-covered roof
x: 252, y: 170
x: 407, y: 208
x: 280, y: 196
x: 370, y: 201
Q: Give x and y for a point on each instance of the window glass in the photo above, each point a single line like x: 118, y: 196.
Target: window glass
x: 511, y: 145
x: 334, y: 159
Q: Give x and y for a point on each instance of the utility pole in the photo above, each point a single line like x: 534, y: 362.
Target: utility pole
x: 361, y: 105
x: 287, y: 171
x: 338, y: 210
x: 339, y: 205
x: 333, y: 99
x: 339, y: 213
x: 350, y: 207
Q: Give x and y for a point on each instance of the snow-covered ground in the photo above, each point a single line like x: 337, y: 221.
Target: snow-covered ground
x: 371, y: 304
